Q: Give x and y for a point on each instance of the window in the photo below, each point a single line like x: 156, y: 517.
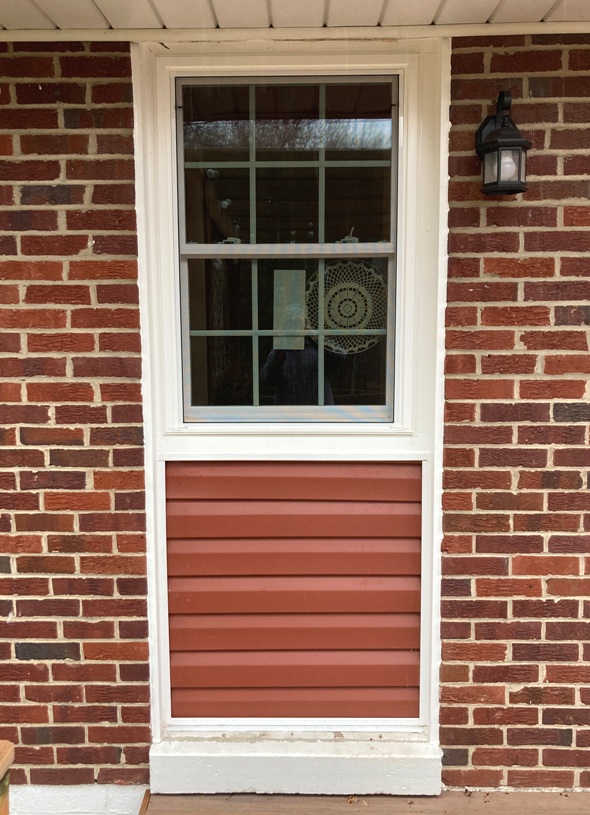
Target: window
x: 287, y: 248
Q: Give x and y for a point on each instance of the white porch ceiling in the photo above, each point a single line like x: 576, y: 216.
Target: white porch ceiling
x: 176, y: 15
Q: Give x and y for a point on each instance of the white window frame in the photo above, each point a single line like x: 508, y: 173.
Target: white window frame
x: 327, y: 755
x: 320, y: 251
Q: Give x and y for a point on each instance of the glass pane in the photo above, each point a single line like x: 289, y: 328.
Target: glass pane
x: 287, y: 122
x: 220, y: 293
x: 359, y: 122
x: 358, y: 378
x: 217, y: 205
x: 221, y: 371
x: 509, y: 165
x: 358, y: 201
x: 490, y: 168
x: 287, y: 205
x: 290, y: 377
x: 216, y: 126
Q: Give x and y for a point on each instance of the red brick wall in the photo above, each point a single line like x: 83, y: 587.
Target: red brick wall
x: 73, y: 677
x: 516, y: 673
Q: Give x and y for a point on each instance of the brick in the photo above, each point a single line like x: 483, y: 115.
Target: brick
x: 80, y: 543
x: 552, y: 389
x: 483, y: 242
x: 47, y: 650
x: 492, y: 609
x: 543, y: 696
x: 548, y: 522
x: 51, y: 194
x: 544, y: 779
x: 81, y: 414
x: 77, y: 501
x: 505, y: 757
x: 545, y: 652
x: 123, y: 194
x: 50, y: 93
x: 515, y: 267
x: 471, y: 777
x: 53, y: 145
x: 115, y: 244
x: 97, y: 119
x: 54, y: 244
x: 63, y: 341
x: 105, y: 318
x: 509, y: 631
x: 95, y: 66
x: 107, y: 367
x: 44, y: 522
x: 566, y: 716
x: 32, y: 318
x: 461, y: 364
x: 62, y: 775
x: 549, y: 434
x: 508, y: 544
x: 505, y: 673
x: 571, y: 315
x: 60, y: 392
x: 98, y: 169
x: 526, y: 61
x: 479, y: 389
x: 30, y: 270
x: 33, y: 366
x: 109, y: 93
x: 544, y: 565
x: 575, y: 412
x: 569, y: 543
x: 554, y: 340
x: 79, y: 458
x: 517, y: 412
x: 46, y: 564
x: 515, y: 315
x: 51, y: 436
x: 71, y: 295
x: 103, y: 220
x: 545, y: 608
x: 52, y: 735
x: 510, y: 500
x: 512, y: 458
x: 566, y: 758
x: 508, y: 364
x: 470, y: 735
x: 83, y: 714
x: 32, y: 170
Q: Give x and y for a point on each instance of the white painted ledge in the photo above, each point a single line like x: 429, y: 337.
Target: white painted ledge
x: 346, y: 767
x: 81, y: 799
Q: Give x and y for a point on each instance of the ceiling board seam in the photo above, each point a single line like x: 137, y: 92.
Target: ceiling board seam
x: 384, y: 8
x: 101, y: 14
x: 269, y: 12
x: 326, y: 11
x: 553, y: 9
x: 495, y: 12
x: 153, y: 7
x: 439, y: 11
x: 213, y: 12
x: 44, y: 14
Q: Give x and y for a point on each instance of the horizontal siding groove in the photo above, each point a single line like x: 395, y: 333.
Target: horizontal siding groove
x: 294, y: 589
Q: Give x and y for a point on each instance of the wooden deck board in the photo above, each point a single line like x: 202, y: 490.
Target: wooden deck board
x: 449, y: 803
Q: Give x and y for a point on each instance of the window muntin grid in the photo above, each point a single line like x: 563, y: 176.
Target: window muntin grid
x: 310, y: 162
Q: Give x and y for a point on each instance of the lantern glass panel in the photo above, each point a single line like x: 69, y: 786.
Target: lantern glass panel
x: 509, y: 164
x: 490, y: 168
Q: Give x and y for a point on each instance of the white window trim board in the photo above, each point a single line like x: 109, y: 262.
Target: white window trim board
x: 212, y: 756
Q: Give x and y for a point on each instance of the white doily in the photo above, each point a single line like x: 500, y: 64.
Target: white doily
x: 355, y: 297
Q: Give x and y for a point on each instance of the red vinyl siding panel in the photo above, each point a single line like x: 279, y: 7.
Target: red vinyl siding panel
x: 294, y: 589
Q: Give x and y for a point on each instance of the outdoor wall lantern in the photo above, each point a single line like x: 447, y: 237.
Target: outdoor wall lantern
x: 502, y: 149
